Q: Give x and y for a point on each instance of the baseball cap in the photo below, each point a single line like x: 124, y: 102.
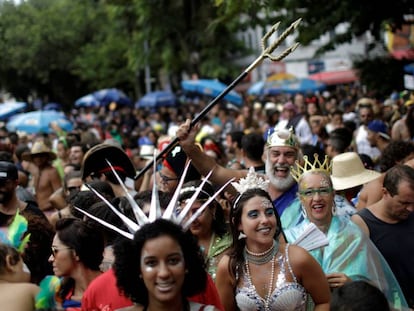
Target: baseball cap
x: 8, y: 171
x: 379, y: 127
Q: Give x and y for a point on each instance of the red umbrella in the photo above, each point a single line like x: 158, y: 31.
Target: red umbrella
x: 335, y: 77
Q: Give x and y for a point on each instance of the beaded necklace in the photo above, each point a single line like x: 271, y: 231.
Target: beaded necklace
x: 261, y: 258
x: 267, y: 299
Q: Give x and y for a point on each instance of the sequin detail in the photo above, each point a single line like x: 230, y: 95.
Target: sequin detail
x: 287, y: 296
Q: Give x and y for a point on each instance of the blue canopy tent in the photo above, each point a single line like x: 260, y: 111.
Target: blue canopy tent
x: 294, y: 86
x: 108, y: 96
x: 212, y: 88
x: 9, y: 109
x: 52, y: 106
x: 87, y: 101
x: 38, y: 122
x: 157, y: 99
x: 256, y: 88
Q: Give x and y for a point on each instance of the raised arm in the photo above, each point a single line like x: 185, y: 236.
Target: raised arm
x: 201, y: 161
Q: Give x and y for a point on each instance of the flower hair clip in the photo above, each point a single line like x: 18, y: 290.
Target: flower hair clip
x: 252, y: 180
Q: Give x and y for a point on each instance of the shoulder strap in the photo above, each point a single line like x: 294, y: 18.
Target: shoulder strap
x: 288, y: 263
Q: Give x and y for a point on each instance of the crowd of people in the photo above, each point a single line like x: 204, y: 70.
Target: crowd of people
x: 216, y: 224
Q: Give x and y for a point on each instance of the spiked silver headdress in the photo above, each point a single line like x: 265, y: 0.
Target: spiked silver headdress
x: 170, y: 212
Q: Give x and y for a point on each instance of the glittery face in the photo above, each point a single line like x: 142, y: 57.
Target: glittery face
x: 266, y: 203
x: 258, y: 220
x: 324, y: 182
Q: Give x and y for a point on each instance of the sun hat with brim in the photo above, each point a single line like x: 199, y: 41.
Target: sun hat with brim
x: 348, y: 171
x: 39, y: 148
x: 95, y: 161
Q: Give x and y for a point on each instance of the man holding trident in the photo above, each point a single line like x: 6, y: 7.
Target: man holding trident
x: 282, y: 150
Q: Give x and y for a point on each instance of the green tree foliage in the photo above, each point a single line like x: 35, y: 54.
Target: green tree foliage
x: 67, y: 48
x: 323, y: 16
x: 64, y: 49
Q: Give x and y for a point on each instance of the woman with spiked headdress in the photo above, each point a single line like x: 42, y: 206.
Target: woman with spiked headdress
x: 170, y: 264
x: 350, y: 255
x: 262, y: 273
x: 161, y: 267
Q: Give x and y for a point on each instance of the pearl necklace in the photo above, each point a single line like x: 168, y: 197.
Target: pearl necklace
x: 267, y: 299
x: 261, y: 258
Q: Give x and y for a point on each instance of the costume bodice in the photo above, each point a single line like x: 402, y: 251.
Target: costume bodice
x: 287, y: 296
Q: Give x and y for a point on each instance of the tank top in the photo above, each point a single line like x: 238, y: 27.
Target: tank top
x: 287, y: 296
x: 396, y: 244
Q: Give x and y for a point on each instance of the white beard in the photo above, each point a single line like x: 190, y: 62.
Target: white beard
x: 279, y: 183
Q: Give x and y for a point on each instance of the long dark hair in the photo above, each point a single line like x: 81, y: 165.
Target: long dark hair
x: 128, y: 257
x: 218, y: 225
x: 88, y: 243
x: 236, y: 255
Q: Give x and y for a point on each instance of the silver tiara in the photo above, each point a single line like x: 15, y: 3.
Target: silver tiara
x: 252, y: 180
x: 170, y: 212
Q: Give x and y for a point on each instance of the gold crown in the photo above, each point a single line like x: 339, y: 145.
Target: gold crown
x: 298, y: 170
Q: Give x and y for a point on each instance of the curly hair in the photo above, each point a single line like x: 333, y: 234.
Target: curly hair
x: 395, y: 152
x: 236, y: 255
x: 128, y: 256
x: 36, y: 254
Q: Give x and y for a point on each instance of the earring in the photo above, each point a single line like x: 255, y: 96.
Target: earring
x: 241, y: 235
x: 334, y: 209
x: 303, y: 211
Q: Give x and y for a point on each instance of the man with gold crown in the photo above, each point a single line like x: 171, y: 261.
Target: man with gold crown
x: 282, y: 150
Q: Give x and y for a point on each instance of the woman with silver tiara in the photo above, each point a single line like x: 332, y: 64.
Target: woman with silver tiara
x: 262, y: 272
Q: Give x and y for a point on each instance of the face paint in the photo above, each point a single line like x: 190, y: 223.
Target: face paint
x: 324, y: 183
x: 266, y: 203
x: 146, y: 263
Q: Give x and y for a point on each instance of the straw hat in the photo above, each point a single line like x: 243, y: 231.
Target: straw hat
x: 348, y: 171
x: 39, y: 148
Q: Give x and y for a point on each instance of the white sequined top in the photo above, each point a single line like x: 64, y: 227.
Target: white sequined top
x: 287, y: 296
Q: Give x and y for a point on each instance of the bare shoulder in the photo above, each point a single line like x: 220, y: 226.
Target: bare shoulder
x: 297, y: 255
x: 360, y: 223
x: 223, y: 265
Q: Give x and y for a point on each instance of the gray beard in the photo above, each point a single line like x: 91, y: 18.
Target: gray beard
x: 279, y: 183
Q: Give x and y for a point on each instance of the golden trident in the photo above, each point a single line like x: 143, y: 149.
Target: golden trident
x: 266, y: 53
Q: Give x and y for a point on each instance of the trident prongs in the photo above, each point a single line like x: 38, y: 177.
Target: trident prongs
x: 268, y: 51
x: 268, y: 34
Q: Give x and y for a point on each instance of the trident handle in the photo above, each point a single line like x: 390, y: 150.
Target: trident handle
x: 266, y: 53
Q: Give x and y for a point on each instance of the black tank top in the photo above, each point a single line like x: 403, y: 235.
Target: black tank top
x: 396, y: 243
